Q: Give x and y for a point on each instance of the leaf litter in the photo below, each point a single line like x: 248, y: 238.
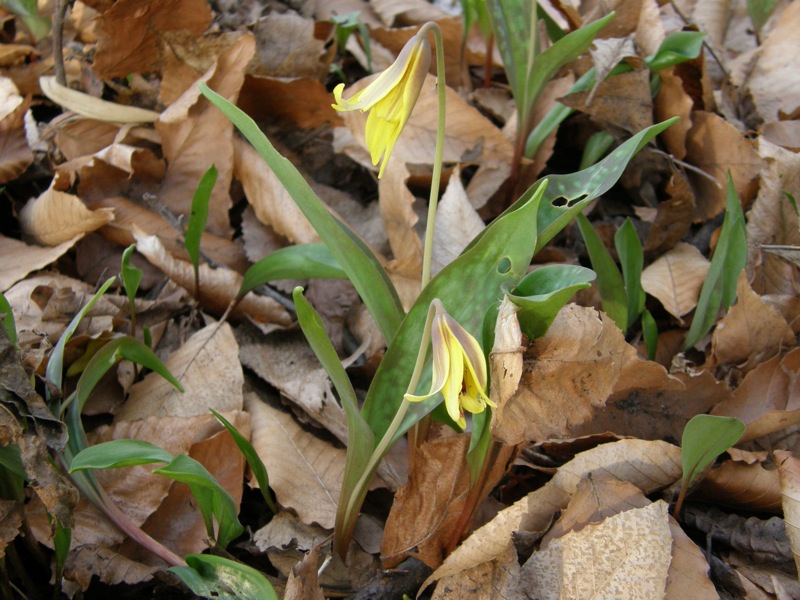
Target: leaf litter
x: 586, y: 424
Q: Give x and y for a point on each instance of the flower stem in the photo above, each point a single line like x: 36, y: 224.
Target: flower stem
x: 438, y: 152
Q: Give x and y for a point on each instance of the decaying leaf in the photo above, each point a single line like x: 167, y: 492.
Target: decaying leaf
x: 457, y: 224
x: 647, y: 465
x: 22, y: 259
x: 305, y: 471
x: 626, y: 555
x: 207, y: 366
x: 789, y: 471
x: 570, y: 372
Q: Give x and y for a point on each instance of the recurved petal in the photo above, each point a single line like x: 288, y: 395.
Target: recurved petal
x: 441, y: 362
x: 473, y: 354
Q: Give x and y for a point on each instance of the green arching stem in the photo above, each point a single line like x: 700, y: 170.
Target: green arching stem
x: 386, y: 440
x: 438, y: 156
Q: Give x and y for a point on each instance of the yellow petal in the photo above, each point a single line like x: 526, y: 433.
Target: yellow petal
x: 441, y: 362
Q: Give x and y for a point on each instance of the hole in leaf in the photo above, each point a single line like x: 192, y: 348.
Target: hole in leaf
x: 504, y: 266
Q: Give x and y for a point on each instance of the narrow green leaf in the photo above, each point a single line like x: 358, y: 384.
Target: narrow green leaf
x: 62, y: 540
x: 212, y: 499
x: 361, y: 266
x: 730, y: 258
x: 631, y: 258
x: 11, y: 459
x: 609, y: 279
x: 8, y: 319
x: 543, y: 292
x: 650, y: 334
x: 118, y: 453
x: 55, y: 365
x: 252, y: 458
x: 596, y: 146
x: 704, y: 438
x: 302, y: 261
x: 566, y: 195
x: 760, y: 12
x: 199, y: 216
x: 219, y: 578
x: 676, y: 48
x: 131, y: 274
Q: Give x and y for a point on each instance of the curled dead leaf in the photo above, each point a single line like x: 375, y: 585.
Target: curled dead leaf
x: 56, y: 217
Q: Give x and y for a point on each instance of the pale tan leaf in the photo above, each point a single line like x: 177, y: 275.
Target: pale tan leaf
x: 493, y: 580
x: 196, y: 135
x: 207, y: 366
x: 647, y: 465
x: 688, y: 571
x: 773, y: 82
x: 772, y: 221
x: 768, y: 399
x: 94, y: 108
x: 789, y: 471
x: 289, y: 47
x: 506, y: 358
x: 457, y: 224
x: 218, y: 287
x: 271, y: 202
x: 625, y: 556
x: 751, y: 332
x: 17, y: 259
x: 15, y: 153
x: 397, y: 211
x: 676, y: 278
x: 55, y: 217
x: 303, y: 582
x: 411, y: 11
x: 571, y: 372
x: 90, y: 560
x: 304, y: 471
x: 471, y: 139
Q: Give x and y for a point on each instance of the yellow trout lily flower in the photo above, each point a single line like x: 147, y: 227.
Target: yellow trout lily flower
x: 459, y: 368
x: 389, y: 99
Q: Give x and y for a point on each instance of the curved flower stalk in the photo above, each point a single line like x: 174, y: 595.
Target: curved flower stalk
x: 459, y: 368
x: 390, y: 98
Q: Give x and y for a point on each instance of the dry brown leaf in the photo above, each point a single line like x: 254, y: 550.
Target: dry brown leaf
x: 625, y: 556
x: 672, y: 100
x: 397, y: 211
x: 471, y: 139
x: 647, y: 465
x: 288, y: 47
x: 18, y: 259
x: 303, y: 582
x: 128, y: 33
x: 750, y: 486
x: 457, y: 224
x: 56, y: 217
x: 773, y: 82
x: 218, y: 287
x: 596, y: 498
x: 207, y: 366
x: 406, y: 11
x: 570, y: 372
x: 129, y: 216
x: 305, y: 471
x: 768, y: 399
x: 82, y: 137
x: 676, y: 278
x: 15, y: 154
x: 789, y: 471
x: 716, y: 147
x: 493, y: 580
x: 674, y: 217
x: 783, y: 133
x: 304, y: 102
x: 688, y: 570
x: 650, y: 404
x: 772, y: 221
x: 623, y: 101
x: 751, y: 332
x: 426, y: 511
x: 10, y: 523
x: 271, y: 202
x: 196, y: 135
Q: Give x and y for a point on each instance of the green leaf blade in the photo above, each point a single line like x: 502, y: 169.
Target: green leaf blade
x: 704, y: 438
x: 302, y: 261
x: 118, y: 453
x: 219, y: 578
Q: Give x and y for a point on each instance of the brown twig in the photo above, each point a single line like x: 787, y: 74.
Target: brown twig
x: 59, y: 16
